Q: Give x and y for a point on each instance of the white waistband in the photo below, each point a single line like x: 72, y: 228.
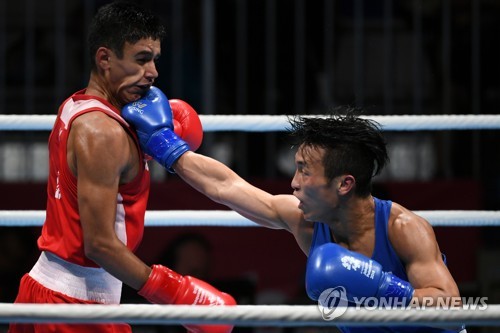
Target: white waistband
x: 85, y: 283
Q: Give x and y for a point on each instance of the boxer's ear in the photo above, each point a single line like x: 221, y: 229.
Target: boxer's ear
x: 346, y: 184
x: 102, y: 56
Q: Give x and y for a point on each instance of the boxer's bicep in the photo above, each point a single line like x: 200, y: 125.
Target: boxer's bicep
x: 415, y: 243
x: 101, y: 155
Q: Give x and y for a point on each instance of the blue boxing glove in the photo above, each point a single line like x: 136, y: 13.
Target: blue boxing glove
x: 152, y: 118
x: 330, y: 265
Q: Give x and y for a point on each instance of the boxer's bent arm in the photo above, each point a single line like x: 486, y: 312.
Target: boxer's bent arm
x: 223, y: 185
x: 102, y: 152
x: 415, y: 243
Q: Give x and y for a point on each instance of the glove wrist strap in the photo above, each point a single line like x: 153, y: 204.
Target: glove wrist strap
x: 162, y: 285
x: 166, y: 148
x: 396, y: 289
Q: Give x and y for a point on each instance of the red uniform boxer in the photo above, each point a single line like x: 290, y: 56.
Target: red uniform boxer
x: 98, y: 184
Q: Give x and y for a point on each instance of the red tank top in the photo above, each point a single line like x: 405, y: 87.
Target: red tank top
x: 62, y: 232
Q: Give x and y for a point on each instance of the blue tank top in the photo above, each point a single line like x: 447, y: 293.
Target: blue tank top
x: 384, y: 254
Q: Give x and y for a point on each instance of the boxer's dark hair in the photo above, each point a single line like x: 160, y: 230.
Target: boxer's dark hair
x: 353, y: 145
x: 120, y: 22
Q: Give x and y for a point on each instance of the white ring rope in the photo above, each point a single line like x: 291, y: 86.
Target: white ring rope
x: 223, y: 218
x: 245, y: 315
x: 263, y: 123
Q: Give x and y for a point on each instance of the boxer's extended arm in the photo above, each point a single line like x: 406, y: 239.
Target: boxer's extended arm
x: 414, y: 241
x: 154, y: 114
x: 223, y: 185
x: 208, y: 176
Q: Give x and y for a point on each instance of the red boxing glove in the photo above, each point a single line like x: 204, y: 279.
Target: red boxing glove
x: 165, y: 286
x: 187, y: 123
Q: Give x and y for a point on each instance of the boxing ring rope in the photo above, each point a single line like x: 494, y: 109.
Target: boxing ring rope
x: 246, y: 315
x: 226, y: 218
x: 264, y: 123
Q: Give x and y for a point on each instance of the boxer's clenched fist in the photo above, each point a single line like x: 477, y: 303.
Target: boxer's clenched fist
x: 165, y: 286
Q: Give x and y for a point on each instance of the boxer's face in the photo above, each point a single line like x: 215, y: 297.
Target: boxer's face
x: 318, y: 196
x: 132, y: 75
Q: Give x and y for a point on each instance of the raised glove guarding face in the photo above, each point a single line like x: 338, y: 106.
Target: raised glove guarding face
x: 187, y: 123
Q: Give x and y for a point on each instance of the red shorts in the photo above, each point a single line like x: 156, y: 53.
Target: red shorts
x: 30, y: 291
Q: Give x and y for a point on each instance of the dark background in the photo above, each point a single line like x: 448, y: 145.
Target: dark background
x: 278, y: 57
